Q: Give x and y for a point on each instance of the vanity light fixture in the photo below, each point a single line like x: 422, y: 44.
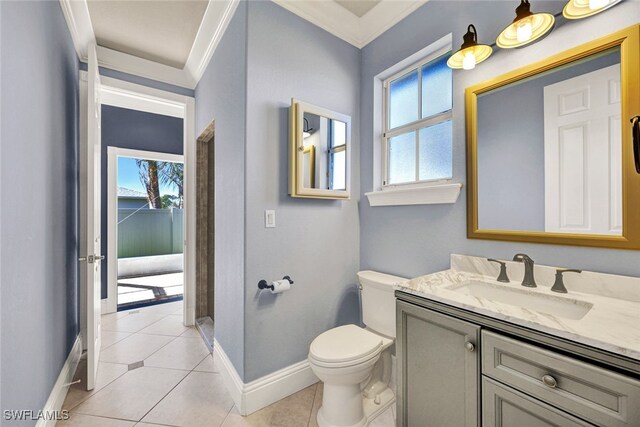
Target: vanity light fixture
x: 526, y: 28
x: 578, y: 9
x: 470, y: 53
x: 306, y: 130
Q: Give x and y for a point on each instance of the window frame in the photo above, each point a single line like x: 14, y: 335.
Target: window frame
x: 414, y: 126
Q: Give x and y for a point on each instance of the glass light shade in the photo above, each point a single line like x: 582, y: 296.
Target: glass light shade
x: 524, y: 30
x: 479, y: 53
x: 469, y: 61
x: 470, y: 53
x: 578, y: 9
x: 515, y: 35
x: 306, y: 135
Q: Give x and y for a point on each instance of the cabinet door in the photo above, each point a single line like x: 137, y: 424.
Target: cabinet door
x: 503, y: 406
x: 438, y: 369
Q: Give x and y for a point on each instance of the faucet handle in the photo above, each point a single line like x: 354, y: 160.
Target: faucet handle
x: 558, y: 285
x: 502, y: 277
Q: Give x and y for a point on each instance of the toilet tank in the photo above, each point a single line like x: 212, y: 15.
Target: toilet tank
x: 378, y: 301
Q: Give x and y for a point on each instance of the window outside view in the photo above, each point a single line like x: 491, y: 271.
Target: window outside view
x: 419, y: 132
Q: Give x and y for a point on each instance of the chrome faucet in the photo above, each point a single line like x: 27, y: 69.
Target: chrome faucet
x: 529, y: 281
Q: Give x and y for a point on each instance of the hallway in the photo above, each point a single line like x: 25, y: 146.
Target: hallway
x: 155, y: 371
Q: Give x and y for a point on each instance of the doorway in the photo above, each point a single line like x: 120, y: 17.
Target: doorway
x: 146, y: 226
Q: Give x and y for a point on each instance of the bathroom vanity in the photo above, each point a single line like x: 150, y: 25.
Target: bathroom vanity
x: 472, y: 351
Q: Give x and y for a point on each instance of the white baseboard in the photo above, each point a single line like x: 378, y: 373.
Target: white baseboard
x: 60, y: 388
x: 260, y: 393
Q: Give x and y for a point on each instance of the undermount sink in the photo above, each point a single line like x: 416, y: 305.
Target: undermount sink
x: 567, y: 308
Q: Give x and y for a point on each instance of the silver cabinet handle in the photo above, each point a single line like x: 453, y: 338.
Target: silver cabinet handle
x: 469, y: 346
x: 549, y: 381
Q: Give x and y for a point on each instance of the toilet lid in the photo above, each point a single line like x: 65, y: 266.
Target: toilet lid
x: 344, y: 343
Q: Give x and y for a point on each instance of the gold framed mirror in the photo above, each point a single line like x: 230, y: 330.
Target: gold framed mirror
x: 550, y: 150
x: 319, y: 152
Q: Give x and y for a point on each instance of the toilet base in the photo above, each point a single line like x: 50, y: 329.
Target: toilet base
x: 370, y: 410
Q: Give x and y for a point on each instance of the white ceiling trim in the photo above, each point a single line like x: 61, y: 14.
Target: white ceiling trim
x: 214, y: 23
x: 337, y: 20
x: 76, y: 13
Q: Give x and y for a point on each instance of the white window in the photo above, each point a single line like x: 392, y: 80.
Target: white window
x: 417, y: 131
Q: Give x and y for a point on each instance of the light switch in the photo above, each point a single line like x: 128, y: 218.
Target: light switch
x: 269, y: 219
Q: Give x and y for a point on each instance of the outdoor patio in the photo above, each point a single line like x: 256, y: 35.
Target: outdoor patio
x: 136, y: 291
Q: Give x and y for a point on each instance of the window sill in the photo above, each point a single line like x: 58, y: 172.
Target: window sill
x: 427, y: 195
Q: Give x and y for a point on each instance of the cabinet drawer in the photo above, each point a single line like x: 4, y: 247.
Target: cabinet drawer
x: 504, y: 407
x: 595, y: 394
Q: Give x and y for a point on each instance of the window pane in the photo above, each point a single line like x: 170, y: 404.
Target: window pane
x: 436, y: 152
x: 339, y: 130
x: 338, y: 169
x: 436, y: 87
x: 402, y: 158
x: 403, y: 100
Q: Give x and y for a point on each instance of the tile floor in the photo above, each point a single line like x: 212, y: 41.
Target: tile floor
x: 179, y: 384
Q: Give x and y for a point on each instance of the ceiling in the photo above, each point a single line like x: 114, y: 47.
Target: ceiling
x: 160, y: 31
x: 357, y: 22
x: 173, y: 40
x: 358, y: 7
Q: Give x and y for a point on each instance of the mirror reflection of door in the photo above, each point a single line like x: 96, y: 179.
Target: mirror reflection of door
x: 549, y: 150
x: 324, y: 153
x: 583, y: 154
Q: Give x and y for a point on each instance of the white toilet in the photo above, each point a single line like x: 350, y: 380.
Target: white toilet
x: 355, y: 363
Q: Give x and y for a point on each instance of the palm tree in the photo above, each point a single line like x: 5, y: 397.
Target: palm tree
x: 148, y: 172
x: 173, y: 174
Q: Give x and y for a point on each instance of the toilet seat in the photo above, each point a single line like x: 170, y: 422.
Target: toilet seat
x: 345, y: 346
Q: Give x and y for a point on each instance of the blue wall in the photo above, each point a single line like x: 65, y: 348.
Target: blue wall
x: 222, y: 95
x: 415, y: 240
x: 131, y: 78
x: 315, y: 241
x: 136, y: 130
x: 39, y: 185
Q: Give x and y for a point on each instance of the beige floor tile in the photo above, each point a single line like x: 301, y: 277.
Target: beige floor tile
x: 168, y: 308
x: 133, y: 322
x: 109, y: 338
x: 384, y: 420
x: 78, y: 393
x: 132, y: 395
x: 292, y: 411
x: 211, y: 363
x: 200, y: 400
x: 181, y: 353
x: 169, y: 325
x: 191, y: 331
x: 151, y: 425
x: 106, y: 318
x: 134, y: 348
x: 81, y: 420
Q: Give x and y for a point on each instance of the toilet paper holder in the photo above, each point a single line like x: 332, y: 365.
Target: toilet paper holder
x: 263, y: 284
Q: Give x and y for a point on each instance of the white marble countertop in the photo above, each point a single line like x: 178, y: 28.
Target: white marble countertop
x: 612, y: 324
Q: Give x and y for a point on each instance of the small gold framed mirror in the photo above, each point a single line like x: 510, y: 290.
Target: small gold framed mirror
x: 319, y: 152
x: 550, y: 149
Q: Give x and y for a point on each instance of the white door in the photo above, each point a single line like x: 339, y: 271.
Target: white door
x: 583, y: 154
x: 93, y: 257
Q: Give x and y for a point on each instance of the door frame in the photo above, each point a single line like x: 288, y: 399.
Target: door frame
x: 113, y: 153
x: 119, y: 93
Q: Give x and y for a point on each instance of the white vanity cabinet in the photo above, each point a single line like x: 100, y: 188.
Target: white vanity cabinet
x: 457, y: 368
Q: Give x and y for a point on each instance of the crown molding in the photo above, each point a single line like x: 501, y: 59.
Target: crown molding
x: 337, y: 20
x: 76, y: 13
x: 214, y: 23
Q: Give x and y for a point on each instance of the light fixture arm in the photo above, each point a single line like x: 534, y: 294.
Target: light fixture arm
x: 523, y: 10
